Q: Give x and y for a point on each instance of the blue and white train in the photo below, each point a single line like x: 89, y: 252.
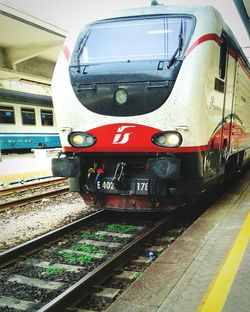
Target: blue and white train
x: 27, y: 121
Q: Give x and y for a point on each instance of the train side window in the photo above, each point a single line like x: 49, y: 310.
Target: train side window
x: 46, y: 118
x: 223, y: 56
x: 7, y: 115
x: 28, y: 116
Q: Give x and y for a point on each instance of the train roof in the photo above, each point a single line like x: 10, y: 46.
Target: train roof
x: 200, y: 12
x: 204, y: 13
x: 166, y: 9
x: 24, y: 98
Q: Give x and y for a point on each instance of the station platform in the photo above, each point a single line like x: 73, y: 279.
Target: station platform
x: 206, y: 269
x: 19, y: 168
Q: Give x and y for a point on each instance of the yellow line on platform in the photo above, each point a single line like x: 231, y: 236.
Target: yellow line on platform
x: 220, y: 287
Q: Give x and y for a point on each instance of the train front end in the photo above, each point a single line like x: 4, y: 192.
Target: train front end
x: 113, y: 93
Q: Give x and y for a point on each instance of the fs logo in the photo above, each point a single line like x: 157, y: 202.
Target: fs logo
x: 122, y: 135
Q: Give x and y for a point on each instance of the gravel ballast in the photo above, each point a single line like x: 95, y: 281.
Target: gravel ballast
x: 24, y: 223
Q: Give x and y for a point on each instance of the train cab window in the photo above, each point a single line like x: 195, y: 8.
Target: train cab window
x: 46, y: 118
x: 28, y: 116
x: 134, y: 39
x: 7, y: 115
x: 132, y: 51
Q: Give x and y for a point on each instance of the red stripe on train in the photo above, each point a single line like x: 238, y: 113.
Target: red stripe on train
x: 216, y: 38
x: 207, y: 37
x: 66, y: 52
x: 136, y: 138
x: 128, y: 138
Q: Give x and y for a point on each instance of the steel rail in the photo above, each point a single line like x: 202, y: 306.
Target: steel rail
x: 9, y: 256
x: 74, y: 294
x: 32, y: 186
x: 32, y: 198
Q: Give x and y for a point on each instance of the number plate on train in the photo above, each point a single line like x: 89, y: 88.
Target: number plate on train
x: 137, y: 186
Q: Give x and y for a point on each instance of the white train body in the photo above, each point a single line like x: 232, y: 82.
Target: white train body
x: 184, y: 107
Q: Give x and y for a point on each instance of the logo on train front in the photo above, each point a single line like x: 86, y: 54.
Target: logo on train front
x: 122, y: 135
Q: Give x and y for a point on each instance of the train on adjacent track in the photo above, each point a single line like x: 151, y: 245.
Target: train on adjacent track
x: 27, y: 121
x: 153, y: 107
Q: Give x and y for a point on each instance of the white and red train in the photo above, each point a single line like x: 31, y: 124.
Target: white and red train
x: 153, y: 106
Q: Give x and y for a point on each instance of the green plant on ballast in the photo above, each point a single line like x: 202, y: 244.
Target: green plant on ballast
x: 54, y: 271
x: 87, y: 248
x: 75, y: 258
x: 118, y: 228
x: 95, y: 236
x: 137, y: 274
x: 100, y: 237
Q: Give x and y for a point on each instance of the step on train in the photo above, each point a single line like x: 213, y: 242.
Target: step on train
x: 152, y: 106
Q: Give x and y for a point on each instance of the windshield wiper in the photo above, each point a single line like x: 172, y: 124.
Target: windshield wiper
x: 80, y: 49
x: 179, y: 48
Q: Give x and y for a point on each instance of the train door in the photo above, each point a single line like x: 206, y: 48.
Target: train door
x: 227, y: 73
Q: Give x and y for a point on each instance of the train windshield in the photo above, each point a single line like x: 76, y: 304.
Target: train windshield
x: 135, y: 39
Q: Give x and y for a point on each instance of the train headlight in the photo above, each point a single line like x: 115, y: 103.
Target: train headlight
x: 121, y: 96
x: 167, y: 139
x: 81, y: 139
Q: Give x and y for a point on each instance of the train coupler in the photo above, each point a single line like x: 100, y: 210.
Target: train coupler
x: 119, y: 176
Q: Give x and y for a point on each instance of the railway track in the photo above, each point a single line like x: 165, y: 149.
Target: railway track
x: 31, y: 193
x: 31, y: 186
x: 57, y: 270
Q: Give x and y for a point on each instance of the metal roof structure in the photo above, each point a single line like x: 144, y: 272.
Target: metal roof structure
x: 28, y: 46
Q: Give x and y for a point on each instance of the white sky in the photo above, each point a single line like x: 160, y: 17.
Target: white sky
x: 68, y: 14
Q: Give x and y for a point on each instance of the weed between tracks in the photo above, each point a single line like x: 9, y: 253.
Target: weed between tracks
x: 55, y: 271
x: 87, y: 248
x: 71, y: 250
x: 88, y: 235
x: 117, y: 228
x: 74, y: 258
